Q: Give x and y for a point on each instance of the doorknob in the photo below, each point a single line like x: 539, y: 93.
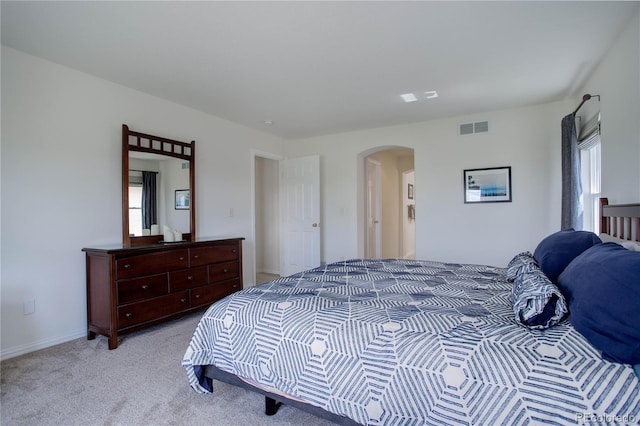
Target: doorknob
x: 315, y: 225
x: 376, y: 221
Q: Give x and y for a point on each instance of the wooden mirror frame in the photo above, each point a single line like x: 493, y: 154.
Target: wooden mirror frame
x: 160, y: 146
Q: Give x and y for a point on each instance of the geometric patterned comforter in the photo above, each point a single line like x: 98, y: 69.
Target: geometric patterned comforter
x: 410, y: 342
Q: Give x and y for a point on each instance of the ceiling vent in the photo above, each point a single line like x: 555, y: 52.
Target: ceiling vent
x: 471, y: 128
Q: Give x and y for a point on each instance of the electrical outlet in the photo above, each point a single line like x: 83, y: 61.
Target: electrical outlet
x: 29, y: 306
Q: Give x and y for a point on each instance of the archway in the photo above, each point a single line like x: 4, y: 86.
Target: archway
x: 393, y: 222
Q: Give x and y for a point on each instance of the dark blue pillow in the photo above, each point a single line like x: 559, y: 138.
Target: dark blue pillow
x: 602, y: 287
x: 556, y: 251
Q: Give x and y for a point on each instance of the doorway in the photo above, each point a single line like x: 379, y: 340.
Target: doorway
x: 266, y: 217
x: 387, y: 194
x: 285, y: 208
x: 373, y: 180
x: 408, y: 228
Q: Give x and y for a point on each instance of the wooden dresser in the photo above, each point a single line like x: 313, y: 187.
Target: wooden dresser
x: 132, y: 288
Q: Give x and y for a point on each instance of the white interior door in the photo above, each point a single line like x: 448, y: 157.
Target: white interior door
x: 373, y: 209
x: 300, y: 210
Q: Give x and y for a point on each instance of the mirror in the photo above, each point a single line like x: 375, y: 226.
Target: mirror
x: 158, y: 177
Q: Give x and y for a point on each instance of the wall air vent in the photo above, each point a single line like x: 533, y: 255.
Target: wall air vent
x: 466, y: 129
x: 471, y: 128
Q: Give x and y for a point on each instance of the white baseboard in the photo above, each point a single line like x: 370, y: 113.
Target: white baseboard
x: 32, y: 347
x: 268, y: 271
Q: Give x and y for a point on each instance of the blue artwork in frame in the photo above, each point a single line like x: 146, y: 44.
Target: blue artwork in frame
x: 490, y: 185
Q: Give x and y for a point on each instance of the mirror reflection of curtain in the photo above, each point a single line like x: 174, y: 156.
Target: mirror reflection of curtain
x: 149, y: 196
x: 571, y: 183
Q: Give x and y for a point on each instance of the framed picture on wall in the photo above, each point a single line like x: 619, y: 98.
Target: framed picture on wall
x: 491, y: 185
x: 410, y: 191
x: 182, y: 199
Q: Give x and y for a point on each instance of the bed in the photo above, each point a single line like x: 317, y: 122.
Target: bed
x: 393, y: 341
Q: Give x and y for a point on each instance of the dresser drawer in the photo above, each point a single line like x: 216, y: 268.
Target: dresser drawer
x: 223, y: 271
x: 204, y: 255
x: 210, y: 293
x: 142, y: 288
x: 187, y: 278
x: 148, y: 310
x: 151, y: 263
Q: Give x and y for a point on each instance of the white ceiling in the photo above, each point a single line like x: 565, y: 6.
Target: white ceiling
x: 320, y: 67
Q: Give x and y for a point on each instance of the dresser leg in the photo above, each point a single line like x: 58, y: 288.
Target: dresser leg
x: 113, y: 342
x: 91, y: 335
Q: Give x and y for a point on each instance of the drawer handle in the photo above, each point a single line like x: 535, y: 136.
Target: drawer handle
x: 197, y: 296
x: 183, y: 300
x: 145, y: 287
x: 190, y: 278
x: 195, y: 256
x: 128, y: 315
x: 234, y: 251
x: 235, y: 286
x: 127, y: 266
x: 225, y: 271
x: 181, y: 257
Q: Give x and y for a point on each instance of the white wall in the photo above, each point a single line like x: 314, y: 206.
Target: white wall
x: 617, y: 80
x: 61, y: 186
x: 527, y: 139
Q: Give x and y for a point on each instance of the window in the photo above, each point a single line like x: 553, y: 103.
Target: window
x: 589, y: 145
x: 135, y: 209
x: 590, y: 166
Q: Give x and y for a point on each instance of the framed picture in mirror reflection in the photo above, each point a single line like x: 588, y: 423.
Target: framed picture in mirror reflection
x: 182, y: 199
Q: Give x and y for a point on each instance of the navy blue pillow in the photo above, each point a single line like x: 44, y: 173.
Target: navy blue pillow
x: 556, y: 251
x: 602, y: 287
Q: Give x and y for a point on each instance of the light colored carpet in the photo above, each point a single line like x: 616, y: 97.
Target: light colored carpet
x: 139, y: 383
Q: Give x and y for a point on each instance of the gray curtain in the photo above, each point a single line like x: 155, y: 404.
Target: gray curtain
x: 149, y: 204
x: 571, y: 184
